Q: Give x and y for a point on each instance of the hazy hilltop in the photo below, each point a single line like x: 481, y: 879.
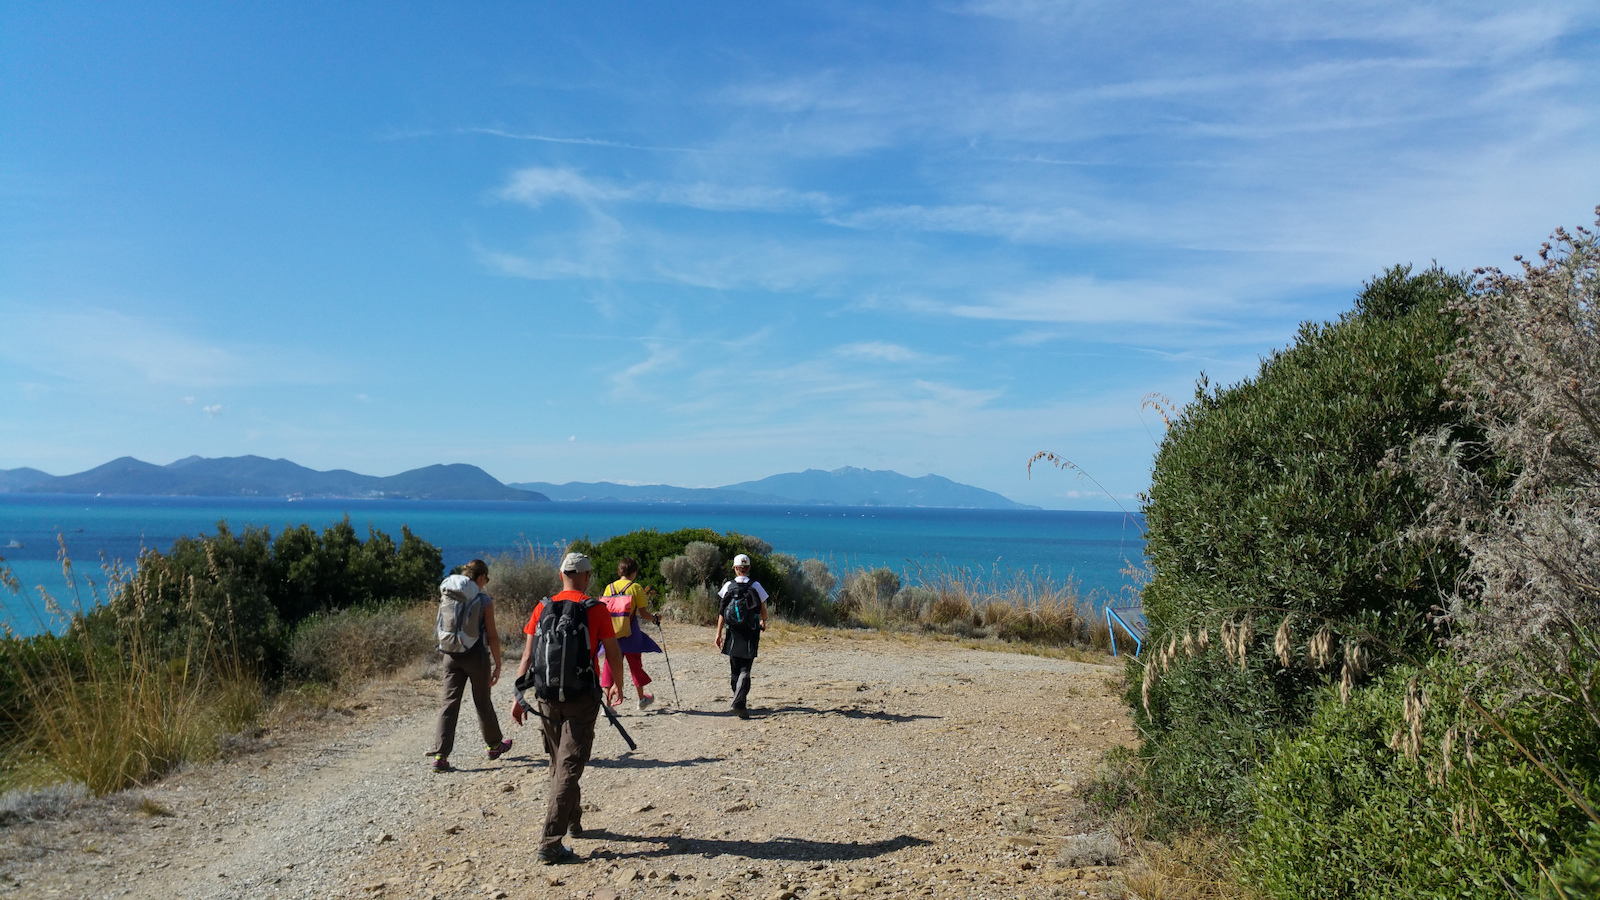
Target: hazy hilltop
x: 847, y: 486
x: 851, y: 486
x: 255, y: 476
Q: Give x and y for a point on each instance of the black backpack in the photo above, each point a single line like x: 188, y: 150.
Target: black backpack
x: 742, y: 607
x: 562, y: 667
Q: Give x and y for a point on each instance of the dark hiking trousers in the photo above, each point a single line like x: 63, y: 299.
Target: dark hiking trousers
x: 459, y: 670
x: 568, y: 737
x: 739, y: 679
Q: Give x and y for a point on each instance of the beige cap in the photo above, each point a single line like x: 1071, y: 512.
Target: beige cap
x: 574, y: 563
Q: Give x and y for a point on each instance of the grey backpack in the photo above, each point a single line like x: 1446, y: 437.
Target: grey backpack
x: 460, y: 614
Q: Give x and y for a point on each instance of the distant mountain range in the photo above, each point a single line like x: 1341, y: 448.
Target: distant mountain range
x: 847, y: 486
x: 255, y: 476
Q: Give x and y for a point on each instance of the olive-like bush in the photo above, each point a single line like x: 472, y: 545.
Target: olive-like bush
x: 1275, y: 518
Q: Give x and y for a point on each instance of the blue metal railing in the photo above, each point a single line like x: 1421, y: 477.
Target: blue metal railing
x: 1113, y: 616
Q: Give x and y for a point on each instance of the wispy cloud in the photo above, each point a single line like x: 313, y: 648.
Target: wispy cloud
x: 534, y: 186
x: 881, y: 351
x: 113, y: 350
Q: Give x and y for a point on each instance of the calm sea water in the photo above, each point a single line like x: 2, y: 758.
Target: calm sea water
x: 1089, y: 547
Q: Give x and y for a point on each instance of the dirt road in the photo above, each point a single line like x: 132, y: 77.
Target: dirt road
x: 871, y: 766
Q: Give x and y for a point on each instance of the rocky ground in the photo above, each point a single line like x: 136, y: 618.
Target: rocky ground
x: 871, y: 766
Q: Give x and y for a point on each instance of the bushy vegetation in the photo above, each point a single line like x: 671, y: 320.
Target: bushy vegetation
x: 241, y: 594
x: 1379, y: 798
x: 152, y: 668
x: 355, y: 644
x: 1375, y: 608
x: 1271, y: 510
x: 676, y: 563
x: 517, y: 582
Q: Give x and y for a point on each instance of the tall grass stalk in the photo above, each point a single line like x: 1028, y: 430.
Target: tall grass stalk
x: 94, y: 703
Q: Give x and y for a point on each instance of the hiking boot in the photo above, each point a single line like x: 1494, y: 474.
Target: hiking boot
x: 440, y: 764
x: 575, y: 829
x: 645, y: 700
x: 552, y: 856
x: 499, y: 749
x: 742, y: 713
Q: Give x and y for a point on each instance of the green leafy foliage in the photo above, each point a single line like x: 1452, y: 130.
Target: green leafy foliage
x: 1271, y: 498
x: 1345, y: 811
x: 237, y: 595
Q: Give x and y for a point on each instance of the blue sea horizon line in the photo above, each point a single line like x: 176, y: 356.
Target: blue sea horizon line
x: 1089, y: 546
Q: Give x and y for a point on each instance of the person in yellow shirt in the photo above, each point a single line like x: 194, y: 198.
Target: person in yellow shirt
x: 637, y: 643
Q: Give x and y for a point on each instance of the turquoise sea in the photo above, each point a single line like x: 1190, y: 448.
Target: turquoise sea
x: 1088, y: 547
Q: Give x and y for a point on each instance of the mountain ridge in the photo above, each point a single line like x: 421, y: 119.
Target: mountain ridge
x: 845, y: 486
x: 256, y: 476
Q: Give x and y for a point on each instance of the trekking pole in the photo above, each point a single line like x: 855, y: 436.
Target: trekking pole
x: 662, y: 627
x: 611, y: 716
x: 617, y: 723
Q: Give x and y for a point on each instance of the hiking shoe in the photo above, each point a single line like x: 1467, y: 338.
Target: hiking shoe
x: 551, y: 856
x: 440, y: 764
x: 499, y: 749
x: 575, y: 829
x: 742, y: 713
x: 645, y: 700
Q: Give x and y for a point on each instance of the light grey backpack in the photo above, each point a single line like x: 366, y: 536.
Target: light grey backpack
x: 460, y: 614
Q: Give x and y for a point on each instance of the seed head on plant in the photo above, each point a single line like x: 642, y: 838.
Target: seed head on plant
x: 1355, y: 658
x: 1281, y: 642
x: 1320, y: 650
x: 1247, y: 633
x: 1205, y: 639
x: 1188, y: 644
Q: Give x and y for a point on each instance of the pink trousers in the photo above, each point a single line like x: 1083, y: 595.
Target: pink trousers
x: 635, y: 665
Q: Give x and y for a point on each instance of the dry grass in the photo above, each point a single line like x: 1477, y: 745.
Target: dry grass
x: 353, y: 645
x: 517, y: 582
x: 697, y: 605
x: 1026, y: 608
x: 105, y: 711
x: 1197, y: 866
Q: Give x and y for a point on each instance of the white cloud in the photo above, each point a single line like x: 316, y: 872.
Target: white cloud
x: 212, y: 411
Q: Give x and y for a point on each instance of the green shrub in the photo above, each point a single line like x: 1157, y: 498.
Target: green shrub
x: 1367, y: 801
x: 236, y: 596
x: 649, y: 548
x: 1271, y: 502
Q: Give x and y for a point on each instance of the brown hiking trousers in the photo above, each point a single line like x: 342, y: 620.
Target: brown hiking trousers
x: 459, y: 670
x: 568, y: 737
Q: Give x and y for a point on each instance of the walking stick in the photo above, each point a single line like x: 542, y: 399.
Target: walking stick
x: 661, y: 626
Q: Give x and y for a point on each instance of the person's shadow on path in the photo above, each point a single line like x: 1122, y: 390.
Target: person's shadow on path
x: 627, y: 760
x: 778, y: 848
x: 793, y: 710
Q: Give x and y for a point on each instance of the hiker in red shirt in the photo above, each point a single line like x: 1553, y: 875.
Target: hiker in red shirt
x: 568, y: 725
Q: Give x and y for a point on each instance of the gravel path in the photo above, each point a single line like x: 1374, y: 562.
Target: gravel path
x: 871, y: 766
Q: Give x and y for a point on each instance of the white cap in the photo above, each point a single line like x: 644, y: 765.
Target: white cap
x: 741, y: 560
x: 574, y: 563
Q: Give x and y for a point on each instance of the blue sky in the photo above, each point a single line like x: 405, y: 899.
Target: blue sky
x: 705, y: 243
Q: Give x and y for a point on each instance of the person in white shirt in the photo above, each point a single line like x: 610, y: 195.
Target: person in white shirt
x: 740, y: 621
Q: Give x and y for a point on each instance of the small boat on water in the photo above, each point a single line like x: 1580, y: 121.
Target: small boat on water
x: 14, y: 545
